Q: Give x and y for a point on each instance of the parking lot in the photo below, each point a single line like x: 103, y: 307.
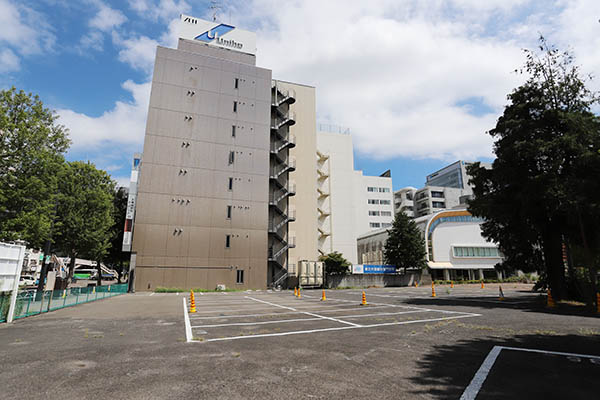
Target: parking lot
x: 258, y: 344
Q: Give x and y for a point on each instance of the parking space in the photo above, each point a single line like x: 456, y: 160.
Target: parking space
x: 534, y: 373
x: 404, y: 344
x: 247, y: 316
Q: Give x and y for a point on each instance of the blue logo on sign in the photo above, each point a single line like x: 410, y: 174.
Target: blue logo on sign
x: 215, y: 32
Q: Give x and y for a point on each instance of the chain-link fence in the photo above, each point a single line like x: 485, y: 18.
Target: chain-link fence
x: 30, y: 303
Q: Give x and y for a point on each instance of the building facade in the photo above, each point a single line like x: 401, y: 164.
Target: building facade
x: 203, y: 215
x: 444, y: 189
x: 349, y: 203
x: 455, y: 247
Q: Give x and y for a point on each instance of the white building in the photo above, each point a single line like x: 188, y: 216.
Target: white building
x: 444, y: 189
x: 455, y: 247
x: 349, y: 203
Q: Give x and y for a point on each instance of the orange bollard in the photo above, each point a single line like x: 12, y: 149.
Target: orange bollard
x: 323, y: 298
x: 550, y: 301
x: 192, y: 302
x: 299, y: 295
x: 501, y: 293
x: 416, y: 284
x: 296, y: 291
x: 482, y: 285
x: 451, y: 284
x: 364, y: 299
x: 432, y: 291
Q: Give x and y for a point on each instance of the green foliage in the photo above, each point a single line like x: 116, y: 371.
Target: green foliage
x: 31, y: 148
x: 542, y: 192
x: 115, y: 258
x: 405, y: 246
x: 85, y: 211
x: 335, y: 264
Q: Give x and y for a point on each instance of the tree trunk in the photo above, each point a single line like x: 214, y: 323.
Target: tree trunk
x: 71, y: 267
x: 554, y: 263
x: 99, y: 277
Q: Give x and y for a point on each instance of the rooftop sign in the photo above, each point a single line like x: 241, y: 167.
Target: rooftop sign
x: 217, y: 34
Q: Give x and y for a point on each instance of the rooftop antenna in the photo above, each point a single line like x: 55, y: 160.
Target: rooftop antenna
x: 215, y: 6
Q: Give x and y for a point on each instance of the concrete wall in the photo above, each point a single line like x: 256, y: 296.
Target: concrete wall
x: 181, y: 223
x: 380, y: 280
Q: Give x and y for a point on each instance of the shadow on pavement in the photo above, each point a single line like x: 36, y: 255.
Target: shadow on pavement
x: 447, y: 369
x: 534, y: 303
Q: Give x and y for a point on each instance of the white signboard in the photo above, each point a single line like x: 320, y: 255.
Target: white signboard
x: 358, y: 269
x: 217, y: 34
x: 11, y: 263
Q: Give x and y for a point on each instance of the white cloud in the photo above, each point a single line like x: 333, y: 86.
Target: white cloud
x: 393, y: 71
x: 107, y: 18
x: 139, y: 52
x: 161, y: 10
x: 123, y: 125
x: 23, y: 32
x: 8, y: 61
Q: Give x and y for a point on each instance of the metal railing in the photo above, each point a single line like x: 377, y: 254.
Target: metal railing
x: 29, y: 303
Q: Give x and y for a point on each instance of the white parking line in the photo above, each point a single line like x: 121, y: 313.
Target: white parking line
x: 281, y: 313
x: 188, y: 326
x: 299, y: 319
x: 305, y: 312
x: 256, y: 323
x: 474, y: 387
x: 336, y: 329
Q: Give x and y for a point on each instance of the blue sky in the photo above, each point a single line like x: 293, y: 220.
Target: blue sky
x: 417, y: 82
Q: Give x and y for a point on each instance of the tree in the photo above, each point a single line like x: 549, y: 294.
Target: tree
x: 335, y: 264
x: 85, y: 212
x: 31, y: 154
x: 541, y: 193
x: 116, y: 258
x: 405, y: 246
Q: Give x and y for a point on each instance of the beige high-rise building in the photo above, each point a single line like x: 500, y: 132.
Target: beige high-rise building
x: 303, y: 230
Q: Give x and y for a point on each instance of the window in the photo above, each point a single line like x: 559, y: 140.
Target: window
x: 235, y: 106
x: 236, y: 83
x: 231, y: 157
x: 386, y: 225
x: 386, y: 213
x: 384, y: 190
x: 374, y: 213
x: 439, y: 195
x: 230, y: 186
x: 476, y: 252
x: 373, y: 201
x: 409, y: 196
x: 438, y: 204
x: 232, y: 130
x: 228, y: 212
x: 227, y: 241
x: 240, y: 276
x: 385, y: 202
x: 375, y: 225
x: 371, y: 189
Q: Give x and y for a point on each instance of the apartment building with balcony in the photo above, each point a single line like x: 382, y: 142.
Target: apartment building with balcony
x: 444, y: 189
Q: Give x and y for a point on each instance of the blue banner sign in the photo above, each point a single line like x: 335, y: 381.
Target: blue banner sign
x: 373, y: 269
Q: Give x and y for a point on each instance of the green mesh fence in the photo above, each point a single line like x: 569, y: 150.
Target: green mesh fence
x: 31, y: 303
